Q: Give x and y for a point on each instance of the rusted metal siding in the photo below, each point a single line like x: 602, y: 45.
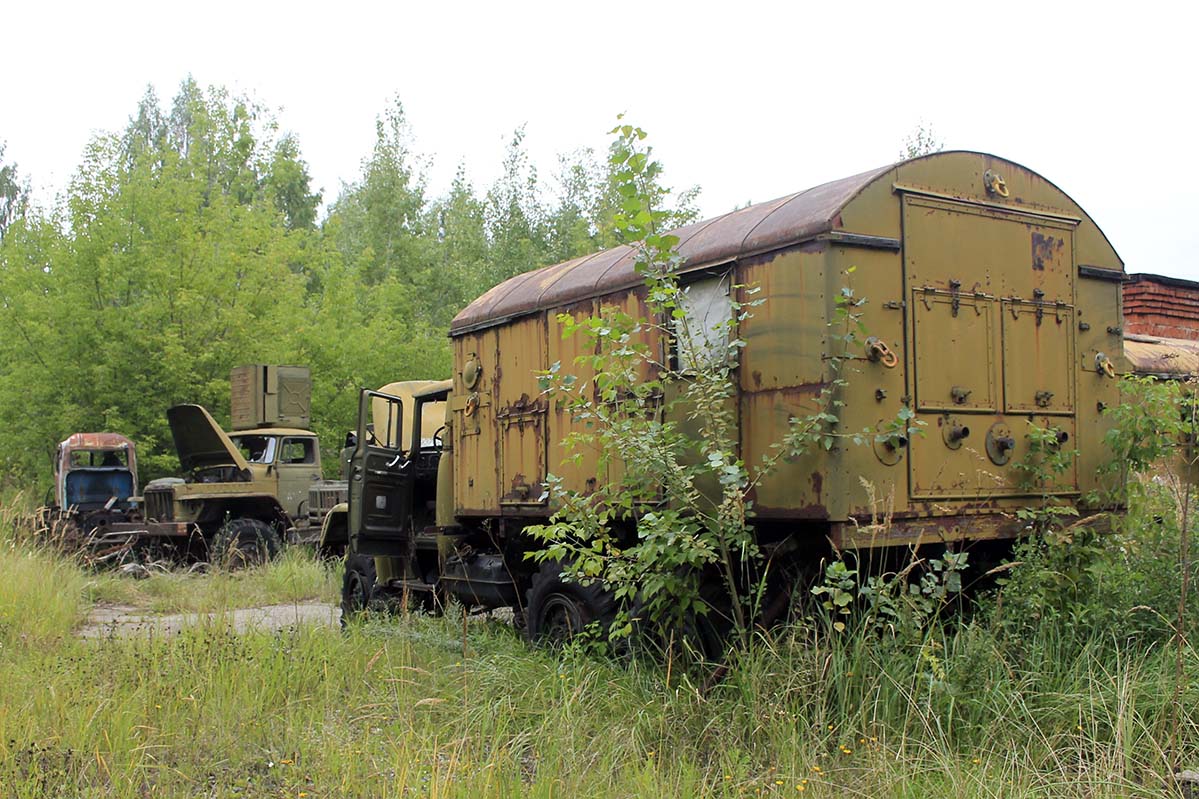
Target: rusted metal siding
x: 577, y: 468
x: 1097, y: 338
x: 521, y: 412
x: 472, y: 405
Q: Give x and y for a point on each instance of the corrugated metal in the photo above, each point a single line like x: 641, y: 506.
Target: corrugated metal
x: 756, y: 228
x: 1162, y: 357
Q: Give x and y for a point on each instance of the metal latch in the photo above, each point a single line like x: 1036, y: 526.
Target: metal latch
x: 960, y: 394
x: 1043, y: 398
x: 877, y: 350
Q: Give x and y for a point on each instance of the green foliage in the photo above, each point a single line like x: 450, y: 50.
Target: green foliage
x: 670, y: 531
x: 188, y: 243
x: 170, y: 266
x: 898, y: 605
x: 14, y: 193
x: 1153, y: 425
x: 704, y: 529
x: 922, y: 140
x: 1119, y: 576
x: 391, y: 708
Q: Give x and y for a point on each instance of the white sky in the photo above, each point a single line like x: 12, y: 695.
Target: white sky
x: 749, y: 100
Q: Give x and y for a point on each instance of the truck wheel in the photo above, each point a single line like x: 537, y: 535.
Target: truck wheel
x: 243, y: 542
x: 558, y: 610
x: 357, y: 587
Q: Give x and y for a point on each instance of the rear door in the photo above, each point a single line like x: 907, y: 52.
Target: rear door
x: 991, y: 293
x: 380, y: 479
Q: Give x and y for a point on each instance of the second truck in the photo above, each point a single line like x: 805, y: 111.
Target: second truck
x: 993, y: 303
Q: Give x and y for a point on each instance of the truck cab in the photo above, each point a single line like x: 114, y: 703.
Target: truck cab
x: 287, y: 458
x: 93, y: 471
x: 95, y: 486
x: 391, y: 514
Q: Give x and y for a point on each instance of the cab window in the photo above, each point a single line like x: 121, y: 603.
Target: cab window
x: 256, y: 449
x: 90, y: 459
x: 298, y: 450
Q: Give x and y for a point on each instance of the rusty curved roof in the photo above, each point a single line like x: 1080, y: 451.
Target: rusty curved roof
x: 746, y: 231
x: 99, y: 441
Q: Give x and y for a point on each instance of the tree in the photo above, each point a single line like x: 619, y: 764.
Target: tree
x: 14, y: 193
x: 380, y: 221
x: 921, y: 141
x: 289, y: 186
x: 169, y: 264
x: 670, y: 431
x: 589, y: 199
x: 515, y: 216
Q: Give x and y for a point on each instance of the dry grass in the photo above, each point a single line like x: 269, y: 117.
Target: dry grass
x: 409, y: 707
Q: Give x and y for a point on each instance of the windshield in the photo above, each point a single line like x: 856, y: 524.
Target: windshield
x: 95, y: 458
x: 256, y: 449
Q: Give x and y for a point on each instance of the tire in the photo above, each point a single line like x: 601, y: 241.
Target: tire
x: 242, y: 543
x: 704, y: 637
x: 357, y: 587
x: 558, y: 610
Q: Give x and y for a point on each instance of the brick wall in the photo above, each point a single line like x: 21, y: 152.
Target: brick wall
x: 1155, y: 305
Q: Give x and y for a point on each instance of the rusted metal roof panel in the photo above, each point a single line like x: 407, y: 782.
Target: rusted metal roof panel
x: 756, y: 228
x: 98, y: 441
x: 1162, y: 357
x: 808, y: 213
x: 578, y: 278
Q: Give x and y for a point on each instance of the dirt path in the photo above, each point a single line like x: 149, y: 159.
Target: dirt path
x: 123, y: 620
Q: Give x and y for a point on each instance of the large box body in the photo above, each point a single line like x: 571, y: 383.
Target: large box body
x: 997, y: 295
x: 264, y: 395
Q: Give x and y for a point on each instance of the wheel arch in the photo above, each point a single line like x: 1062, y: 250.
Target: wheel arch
x: 263, y: 508
x: 335, y: 530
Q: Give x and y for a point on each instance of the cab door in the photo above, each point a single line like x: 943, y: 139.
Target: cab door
x: 298, y: 466
x: 380, y: 479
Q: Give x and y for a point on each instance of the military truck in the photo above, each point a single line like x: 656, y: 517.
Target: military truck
x: 246, y: 492
x: 378, y: 427
x: 993, y: 304
x: 95, y: 487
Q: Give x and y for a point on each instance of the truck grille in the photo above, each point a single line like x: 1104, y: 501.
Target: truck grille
x: 160, y: 505
x: 323, y: 496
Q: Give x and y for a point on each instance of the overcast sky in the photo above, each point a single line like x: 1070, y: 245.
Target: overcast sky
x: 748, y: 100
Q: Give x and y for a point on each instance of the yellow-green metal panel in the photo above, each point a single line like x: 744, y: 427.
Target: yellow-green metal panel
x: 473, y: 406
x: 786, y: 335
x: 1038, y: 352
x: 868, y: 478
x: 955, y: 350
x: 520, y: 413
x: 576, y: 465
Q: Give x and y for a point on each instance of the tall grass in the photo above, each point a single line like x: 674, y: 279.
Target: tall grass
x: 432, y: 707
x: 41, y: 593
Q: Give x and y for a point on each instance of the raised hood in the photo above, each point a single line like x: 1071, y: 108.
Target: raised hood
x: 200, y: 441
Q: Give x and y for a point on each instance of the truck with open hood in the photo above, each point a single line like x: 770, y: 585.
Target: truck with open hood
x: 243, y: 493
